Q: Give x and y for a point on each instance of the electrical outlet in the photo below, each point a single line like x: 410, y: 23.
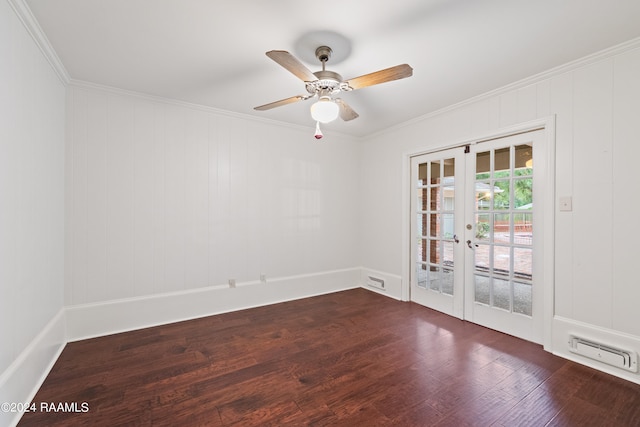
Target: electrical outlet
x: 263, y: 278
x: 232, y: 283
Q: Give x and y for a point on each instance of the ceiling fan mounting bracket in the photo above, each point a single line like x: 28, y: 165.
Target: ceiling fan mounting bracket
x: 307, y: 44
x: 323, y: 53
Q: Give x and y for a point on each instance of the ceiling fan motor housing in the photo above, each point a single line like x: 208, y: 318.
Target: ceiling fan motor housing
x: 328, y: 81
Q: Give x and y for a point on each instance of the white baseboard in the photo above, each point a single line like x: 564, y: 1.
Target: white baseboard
x: 563, y: 328
x: 22, y: 379
x: 105, y: 318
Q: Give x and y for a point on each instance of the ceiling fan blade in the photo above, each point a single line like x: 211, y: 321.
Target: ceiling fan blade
x: 288, y: 61
x: 280, y: 103
x: 346, y: 112
x: 382, y: 76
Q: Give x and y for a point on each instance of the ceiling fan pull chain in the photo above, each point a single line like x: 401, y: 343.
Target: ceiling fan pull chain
x: 318, y: 134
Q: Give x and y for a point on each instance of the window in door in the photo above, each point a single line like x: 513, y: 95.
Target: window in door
x: 435, y: 226
x: 504, y: 229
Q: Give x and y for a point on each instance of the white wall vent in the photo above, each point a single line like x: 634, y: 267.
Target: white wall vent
x: 603, y: 353
x: 375, y: 282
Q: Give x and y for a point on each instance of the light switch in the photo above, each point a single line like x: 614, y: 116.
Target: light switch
x: 566, y: 204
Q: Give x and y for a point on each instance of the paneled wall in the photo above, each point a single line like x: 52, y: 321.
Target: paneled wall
x: 32, y: 132
x: 166, y: 197
x: 597, y: 105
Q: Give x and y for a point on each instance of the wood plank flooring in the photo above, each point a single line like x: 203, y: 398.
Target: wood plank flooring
x: 352, y: 358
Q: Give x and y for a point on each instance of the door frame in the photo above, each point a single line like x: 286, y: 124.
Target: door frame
x: 547, y: 232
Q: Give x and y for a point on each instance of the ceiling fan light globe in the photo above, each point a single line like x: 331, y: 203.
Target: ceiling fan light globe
x: 325, y: 111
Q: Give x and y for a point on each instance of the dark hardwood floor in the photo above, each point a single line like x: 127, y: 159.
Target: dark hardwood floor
x: 352, y: 358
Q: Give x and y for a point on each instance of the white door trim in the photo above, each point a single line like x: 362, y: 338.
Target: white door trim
x: 548, y: 229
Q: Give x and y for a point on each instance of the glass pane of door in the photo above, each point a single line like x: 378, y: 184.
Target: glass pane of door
x: 503, y: 255
x: 435, y: 225
x: 436, y: 274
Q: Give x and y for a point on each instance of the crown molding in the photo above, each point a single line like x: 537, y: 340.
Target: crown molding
x: 81, y: 84
x: 527, y: 81
x: 30, y: 23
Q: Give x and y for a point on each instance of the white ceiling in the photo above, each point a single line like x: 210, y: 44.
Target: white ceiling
x: 211, y: 52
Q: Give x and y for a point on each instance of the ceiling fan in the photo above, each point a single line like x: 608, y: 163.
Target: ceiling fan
x: 326, y: 84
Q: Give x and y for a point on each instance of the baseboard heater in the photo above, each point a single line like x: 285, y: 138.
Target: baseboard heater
x: 375, y: 282
x: 603, y: 353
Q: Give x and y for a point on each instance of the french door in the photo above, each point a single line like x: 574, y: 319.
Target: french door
x: 474, y: 253
x: 437, y: 229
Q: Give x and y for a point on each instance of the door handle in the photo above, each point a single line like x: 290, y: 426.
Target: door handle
x: 455, y: 238
x: 469, y: 244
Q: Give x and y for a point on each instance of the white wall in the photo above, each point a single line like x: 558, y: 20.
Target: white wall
x: 597, y: 106
x: 167, y: 197
x: 32, y: 134
x: 164, y: 200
